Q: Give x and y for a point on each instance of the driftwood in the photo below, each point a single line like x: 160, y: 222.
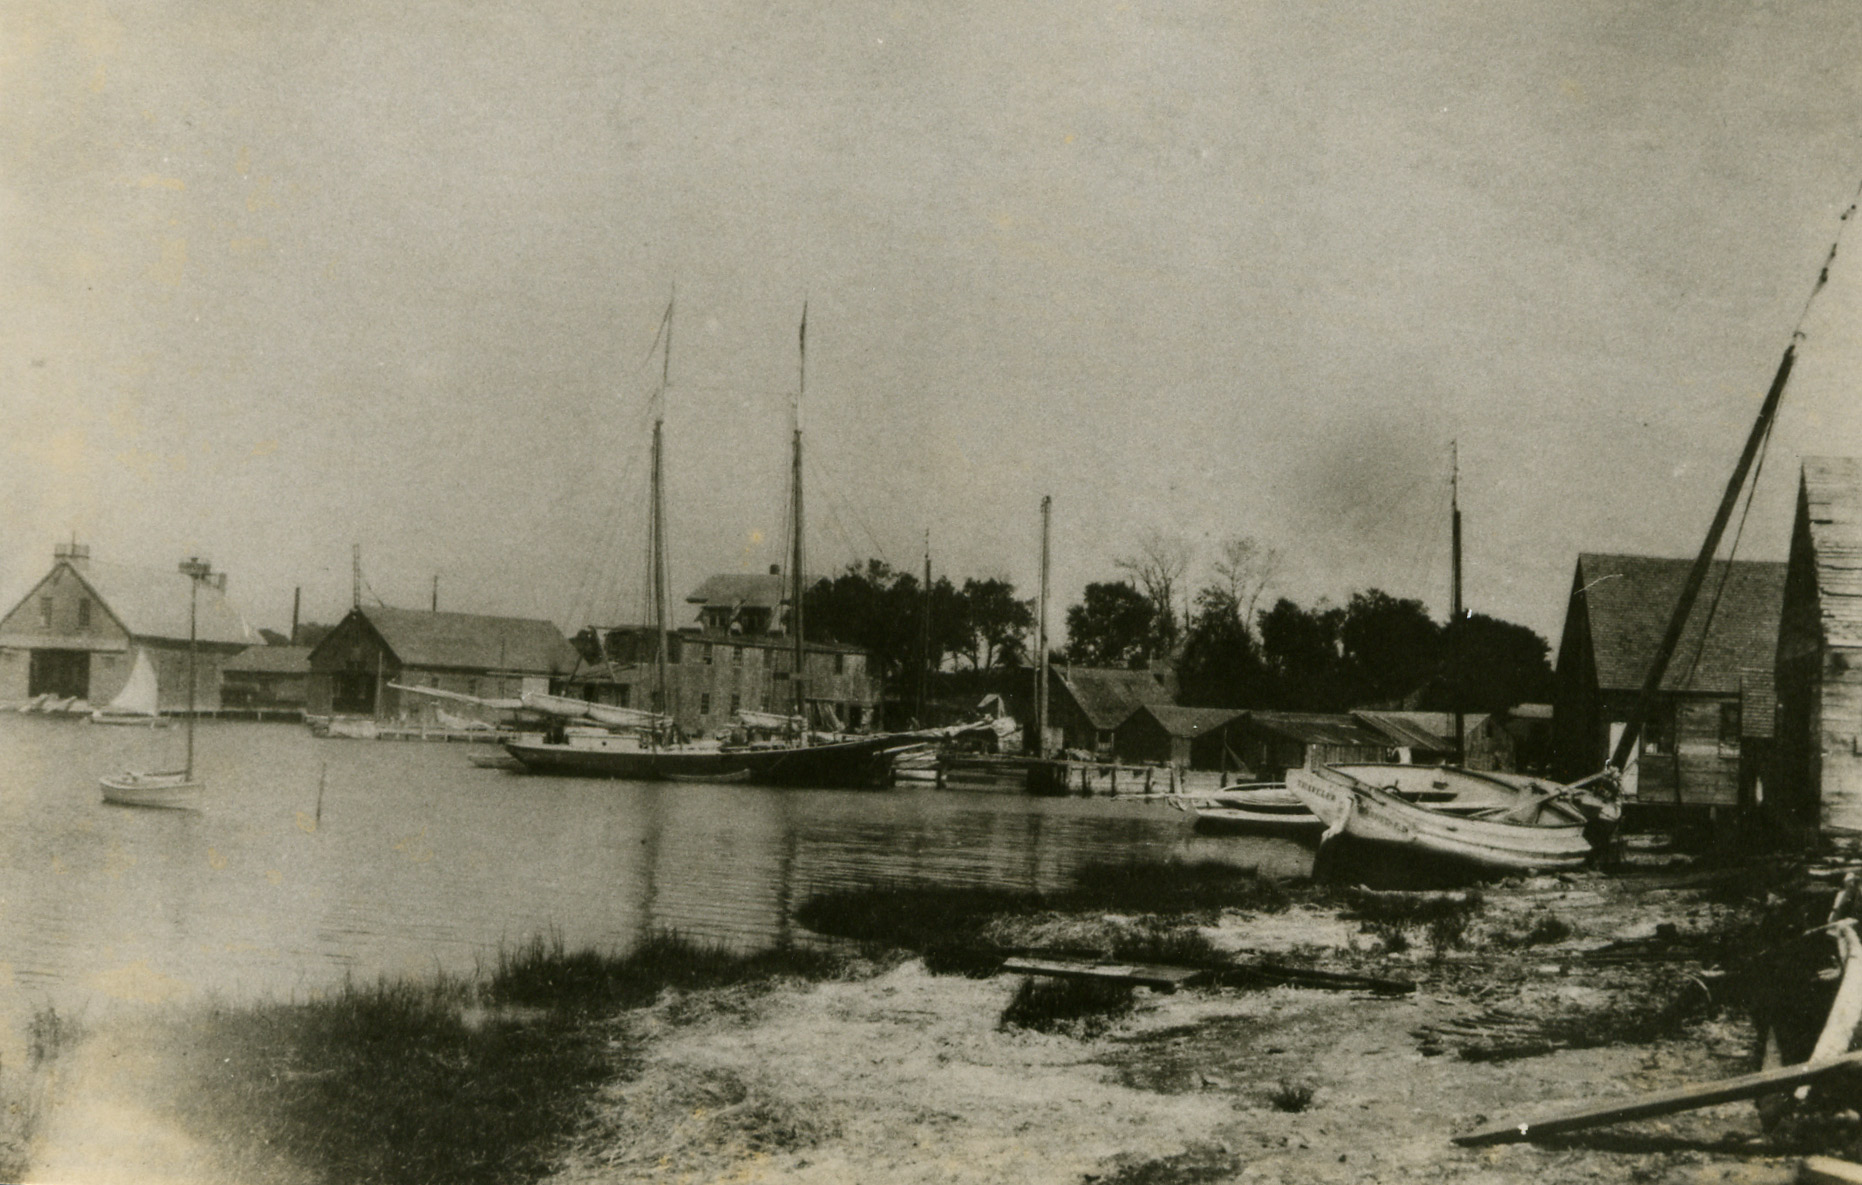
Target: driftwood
x: 1161, y: 978
x: 1666, y: 1102
x: 1306, y: 977
x: 1827, y: 1170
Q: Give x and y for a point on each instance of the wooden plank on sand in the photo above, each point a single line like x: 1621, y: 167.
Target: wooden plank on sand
x: 1827, y: 1170
x: 1167, y: 979
x: 1666, y: 1102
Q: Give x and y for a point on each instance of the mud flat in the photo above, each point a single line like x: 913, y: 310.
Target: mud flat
x: 900, y: 1055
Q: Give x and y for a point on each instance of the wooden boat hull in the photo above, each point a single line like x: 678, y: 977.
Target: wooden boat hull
x: 105, y: 716
x: 857, y: 764
x: 1261, y: 810
x: 168, y: 791
x: 1532, y: 833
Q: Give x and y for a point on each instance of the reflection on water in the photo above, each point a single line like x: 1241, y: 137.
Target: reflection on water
x: 422, y: 862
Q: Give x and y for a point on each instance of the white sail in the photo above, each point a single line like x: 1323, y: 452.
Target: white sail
x: 605, y: 714
x: 140, y: 696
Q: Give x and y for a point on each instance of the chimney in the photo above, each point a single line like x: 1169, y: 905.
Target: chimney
x: 78, y: 555
x: 218, y: 580
x: 775, y: 569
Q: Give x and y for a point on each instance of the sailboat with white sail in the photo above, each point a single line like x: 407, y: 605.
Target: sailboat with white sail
x: 174, y: 789
x: 138, y: 703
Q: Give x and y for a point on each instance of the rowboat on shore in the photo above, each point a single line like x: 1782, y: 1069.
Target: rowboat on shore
x: 1265, y: 808
x: 1473, y: 820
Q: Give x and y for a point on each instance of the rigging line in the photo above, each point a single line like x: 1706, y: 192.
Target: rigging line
x: 835, y: 496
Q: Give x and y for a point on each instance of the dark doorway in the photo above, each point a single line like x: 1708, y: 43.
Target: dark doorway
x: 63, y: 673
x: 353, y: 692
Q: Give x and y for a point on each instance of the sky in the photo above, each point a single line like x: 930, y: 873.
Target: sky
x: 279, y: 281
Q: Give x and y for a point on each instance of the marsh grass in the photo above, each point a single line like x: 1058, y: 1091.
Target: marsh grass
x: 477, y: 1081
x: 968, y: 930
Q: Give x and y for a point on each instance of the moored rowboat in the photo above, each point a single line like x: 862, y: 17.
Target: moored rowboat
x: 1265, y: 809
x: 172, y: 789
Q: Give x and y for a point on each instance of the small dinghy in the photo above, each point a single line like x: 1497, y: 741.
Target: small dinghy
x: 1266, y: 808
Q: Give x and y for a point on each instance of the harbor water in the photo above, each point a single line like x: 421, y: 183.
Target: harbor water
x: 315, y: 860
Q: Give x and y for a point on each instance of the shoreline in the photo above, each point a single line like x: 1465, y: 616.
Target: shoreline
x: 902, y: 1062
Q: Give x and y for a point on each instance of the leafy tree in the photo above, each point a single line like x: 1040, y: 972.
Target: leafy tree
x: 882, y: 611
x: 1221, y: 665
x: 1111, y: 626
x: 996, y: 624
x: 1489, y: 664
x: 1391, y: 646
x: 1301, y: 650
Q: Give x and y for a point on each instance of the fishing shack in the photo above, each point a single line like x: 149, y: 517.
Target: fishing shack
x: 1167, y: 734
x: 1697, y: 751
x: 1818, y: 673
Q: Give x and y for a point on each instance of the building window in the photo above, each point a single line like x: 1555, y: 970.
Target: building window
x: 704, y: 654
x: 45, y: 612
x: 737, y: 656
x: 1731, y: 725
x: 704, y: 703
x: 84, y: 613
x: 623, y: 693
x: 737, y: 703
x: 840, y: 664
x: 1658, y: 735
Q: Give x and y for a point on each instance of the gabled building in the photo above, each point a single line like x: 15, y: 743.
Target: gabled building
x: 77, y: 632
x: 1696, y: 750
x: 1428, y: 738
x: 752, y: 604
x: 1271, y: 743
x: 266, y: 680
x: 1188, y: 738
x: 474, y: 654
x: 1087, y: 704
x: 1818, y: 671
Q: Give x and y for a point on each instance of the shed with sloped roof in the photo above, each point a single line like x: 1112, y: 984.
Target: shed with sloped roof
x: 1268, y: 744
x: 1818, y: 668
x: 1694, y: 751
x: 1087, y: 704
x: 1168, y: 734
x: 470, y: 653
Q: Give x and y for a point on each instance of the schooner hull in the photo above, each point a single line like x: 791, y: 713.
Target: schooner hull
x: 169, y: 791
x: 858, y: 764
x: 1374, y: 816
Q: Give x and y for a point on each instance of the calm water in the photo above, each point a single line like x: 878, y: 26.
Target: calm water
x: 422, y: 861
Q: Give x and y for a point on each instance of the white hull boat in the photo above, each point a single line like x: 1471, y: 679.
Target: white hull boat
x: 172, y: 790
x: 1486, y: 823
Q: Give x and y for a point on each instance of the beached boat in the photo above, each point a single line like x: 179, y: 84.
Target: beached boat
x: 175, y: 789
x: 1452, y: 815
x: 137, y: 702
x: 1266, y: 808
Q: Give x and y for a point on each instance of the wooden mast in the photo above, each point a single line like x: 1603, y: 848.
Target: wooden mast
x: 657, y: 527
x: 924, y: 641
x: 1455, y: 612
x: 796, y: 579
x: 196, y: 570
x: 1040, y: 694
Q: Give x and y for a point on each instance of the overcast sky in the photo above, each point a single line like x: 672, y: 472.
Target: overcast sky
x: 276, y: 279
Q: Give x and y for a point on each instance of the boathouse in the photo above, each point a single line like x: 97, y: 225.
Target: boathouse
x: 1271, y: 743
x: 266, y: 681
x: 1696, y: 749
x: 352, y: 666
x: 1167, y: 734
x: 1428, y: 738
x: 1818, y: 670
x: 1086, y: 705
x: 76, y: 633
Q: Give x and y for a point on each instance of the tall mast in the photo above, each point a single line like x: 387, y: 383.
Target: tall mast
x: 196, y: 570
x: 1040, y: 639
x: 1658, y: 666
x: 1455, y: 612
x: 924, y: 640
x: 795, y: 526
x: 657, y: 528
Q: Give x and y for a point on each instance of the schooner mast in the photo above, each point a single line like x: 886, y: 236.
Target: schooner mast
x: 796, y: 579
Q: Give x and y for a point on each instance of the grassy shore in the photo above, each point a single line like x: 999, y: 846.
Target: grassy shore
x: 470, y: 1080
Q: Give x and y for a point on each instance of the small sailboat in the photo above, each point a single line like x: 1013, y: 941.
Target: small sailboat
x: 138, y: 702
x: 174, y: 789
